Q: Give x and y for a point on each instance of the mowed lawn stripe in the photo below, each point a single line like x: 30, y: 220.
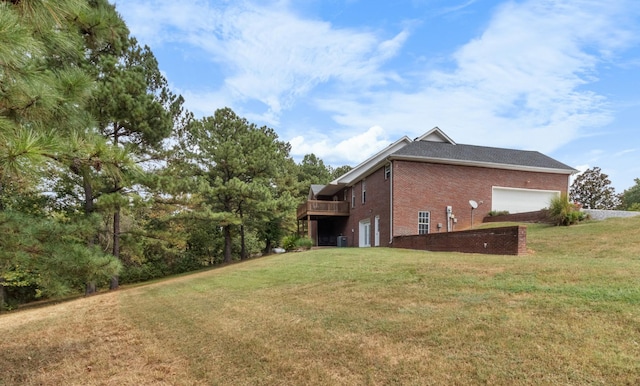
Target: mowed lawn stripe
x: 567, y: 313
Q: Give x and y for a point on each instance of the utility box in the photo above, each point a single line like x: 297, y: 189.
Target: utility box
x: 342, y: 241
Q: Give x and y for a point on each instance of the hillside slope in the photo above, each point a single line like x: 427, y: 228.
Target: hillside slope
x: 568, y: 313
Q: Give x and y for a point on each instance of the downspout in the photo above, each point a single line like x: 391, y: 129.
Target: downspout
x: 390, y: 201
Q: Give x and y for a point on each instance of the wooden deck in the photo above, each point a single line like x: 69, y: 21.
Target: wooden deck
x: 322, y: 208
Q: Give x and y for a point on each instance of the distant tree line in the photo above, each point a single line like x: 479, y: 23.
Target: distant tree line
x: 105, y: 177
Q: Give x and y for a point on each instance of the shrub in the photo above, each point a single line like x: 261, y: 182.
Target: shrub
x: 289, y: 242
x: 563, y: 212
x: 498, y: 213
x: 293, y: 242
x: 304, y: 243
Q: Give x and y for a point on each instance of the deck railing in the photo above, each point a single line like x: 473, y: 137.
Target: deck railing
x: 323, y: 208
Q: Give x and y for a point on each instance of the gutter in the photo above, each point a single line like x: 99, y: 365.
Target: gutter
x: 390, y: 200
x: 492, y: 165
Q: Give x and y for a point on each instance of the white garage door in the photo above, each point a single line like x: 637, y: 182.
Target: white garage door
x: 521, y: 200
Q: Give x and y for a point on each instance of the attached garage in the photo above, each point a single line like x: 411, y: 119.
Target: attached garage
x: 517, y: 200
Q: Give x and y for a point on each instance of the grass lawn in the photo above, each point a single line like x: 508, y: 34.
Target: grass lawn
x: 568, y: 313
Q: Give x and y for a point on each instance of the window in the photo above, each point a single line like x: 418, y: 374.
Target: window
x: 387, y: 171
x: 364, y: 191
x: 353, y: 197
x: 423, y: 223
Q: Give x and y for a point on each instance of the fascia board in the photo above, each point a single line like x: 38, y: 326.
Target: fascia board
x: 485, y: 164
x: 364, y: 168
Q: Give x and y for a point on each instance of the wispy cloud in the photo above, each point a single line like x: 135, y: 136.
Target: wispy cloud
x: 521, y: 83
x: 457, y: 7
x: 268, y: 53
x: 524, y: 81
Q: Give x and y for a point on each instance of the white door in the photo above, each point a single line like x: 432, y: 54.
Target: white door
x: 365, y: 233
x: 376, y: 231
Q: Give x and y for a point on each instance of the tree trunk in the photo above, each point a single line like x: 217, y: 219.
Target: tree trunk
x: 243, y: 246
x: 90, y: 287
x: 227, y: 243
x: 3, y: 296
x: 116, y: 219
x: 116, y: 245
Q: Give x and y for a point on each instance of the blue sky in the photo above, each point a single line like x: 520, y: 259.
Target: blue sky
x: 345, y: 78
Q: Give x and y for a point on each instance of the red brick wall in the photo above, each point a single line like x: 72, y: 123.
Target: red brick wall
x: 432, y: 187
x: 377, y: 204
x: 541, y: 216
x: 496, y: 241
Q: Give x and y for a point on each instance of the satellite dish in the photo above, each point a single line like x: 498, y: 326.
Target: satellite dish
x: 473, y: 204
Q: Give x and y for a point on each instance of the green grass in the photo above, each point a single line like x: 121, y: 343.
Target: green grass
x: 568, y: 313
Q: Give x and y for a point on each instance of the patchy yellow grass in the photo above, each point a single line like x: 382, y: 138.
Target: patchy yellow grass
x: 567, y: 314
x: 84, y: 342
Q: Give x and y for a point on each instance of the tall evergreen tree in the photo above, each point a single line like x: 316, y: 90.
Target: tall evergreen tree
x: 237, y: 164
x: 43, y: 89
x: 136, y: 111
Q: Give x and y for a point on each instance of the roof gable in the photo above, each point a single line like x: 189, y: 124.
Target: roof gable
x: 363, y: 169
x: 435, y: 135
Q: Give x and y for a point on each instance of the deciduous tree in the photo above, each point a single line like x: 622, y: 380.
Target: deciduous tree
x: 592, y: 189
x: 631, y: 197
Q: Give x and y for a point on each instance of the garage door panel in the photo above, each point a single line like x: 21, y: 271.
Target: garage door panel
x: 521, y: 200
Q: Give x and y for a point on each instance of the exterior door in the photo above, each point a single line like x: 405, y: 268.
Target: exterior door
x: 365, y: 233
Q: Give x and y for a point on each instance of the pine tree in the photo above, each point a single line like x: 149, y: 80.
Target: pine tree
x: 237, y: 166
x: 43, y: 89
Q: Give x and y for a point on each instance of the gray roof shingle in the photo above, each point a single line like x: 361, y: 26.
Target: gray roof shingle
x: 481, y: 154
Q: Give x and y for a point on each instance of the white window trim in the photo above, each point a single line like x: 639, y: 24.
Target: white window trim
x: 427, y: 223
x: 353, y: 197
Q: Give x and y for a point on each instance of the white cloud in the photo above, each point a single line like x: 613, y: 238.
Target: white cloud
x: 625, y: 152
x: 267, y: 52
x: 521, y: 83
x: 351, y: 150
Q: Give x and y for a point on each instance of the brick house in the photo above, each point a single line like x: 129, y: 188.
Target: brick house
x: 427, y: 185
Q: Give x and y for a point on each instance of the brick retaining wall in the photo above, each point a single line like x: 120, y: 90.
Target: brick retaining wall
x: 539, y: 216
x: 496, y: 241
